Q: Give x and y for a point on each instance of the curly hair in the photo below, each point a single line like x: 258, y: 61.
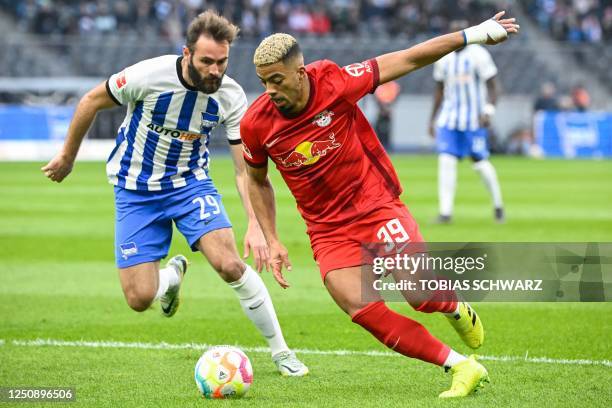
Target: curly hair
x: 275, y: 48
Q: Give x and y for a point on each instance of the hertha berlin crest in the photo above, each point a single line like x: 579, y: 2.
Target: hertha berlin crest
x: 323, y: 119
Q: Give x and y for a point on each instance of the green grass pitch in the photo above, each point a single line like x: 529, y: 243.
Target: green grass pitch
x: 58, y: 281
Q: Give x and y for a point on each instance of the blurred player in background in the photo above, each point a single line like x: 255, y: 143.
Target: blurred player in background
x: 385, y: 96
x: 466, y: 90
x: 308, y: 123
x: 159, y: 168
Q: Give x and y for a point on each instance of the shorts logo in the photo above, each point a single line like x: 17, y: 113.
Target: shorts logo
x: 121, y: 81
x: 323, y: 119
x: 128, y: 249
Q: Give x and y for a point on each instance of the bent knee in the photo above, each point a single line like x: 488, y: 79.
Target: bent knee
x: 139, y: 299
x: 230, y: 269
x: 352, y: 306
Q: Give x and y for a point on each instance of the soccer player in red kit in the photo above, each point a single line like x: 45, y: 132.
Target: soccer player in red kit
x: 308, y: 123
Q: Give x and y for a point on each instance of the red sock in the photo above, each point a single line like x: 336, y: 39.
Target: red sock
x: 443, y: 301
x: 401, y: 334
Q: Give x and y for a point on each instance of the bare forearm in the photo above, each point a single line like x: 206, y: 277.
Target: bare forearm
x: 430, y: 51
x: 242, y: 187
x: 261, y: 194
x: 84, y: 116
x: 402, y: 62
x: 396, y: 64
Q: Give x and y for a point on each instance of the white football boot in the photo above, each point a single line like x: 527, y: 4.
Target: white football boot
x: 170, y: 300
x: 289, y: 365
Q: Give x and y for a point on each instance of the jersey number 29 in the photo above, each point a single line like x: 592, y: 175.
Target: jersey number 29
x: 211, y: 201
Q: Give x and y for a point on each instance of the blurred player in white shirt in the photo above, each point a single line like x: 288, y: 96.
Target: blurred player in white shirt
x: 464, y: 105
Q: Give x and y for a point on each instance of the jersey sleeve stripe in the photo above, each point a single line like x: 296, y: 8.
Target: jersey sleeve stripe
x: 110, y: 93
x: 234, y: 141
x: 376, y: 75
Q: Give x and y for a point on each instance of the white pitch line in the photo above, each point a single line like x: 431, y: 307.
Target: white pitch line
x: 201, y: 346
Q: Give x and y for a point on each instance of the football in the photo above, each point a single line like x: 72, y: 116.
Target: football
x: 223, y: 372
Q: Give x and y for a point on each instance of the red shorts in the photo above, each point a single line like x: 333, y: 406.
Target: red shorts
x: 342, y: 247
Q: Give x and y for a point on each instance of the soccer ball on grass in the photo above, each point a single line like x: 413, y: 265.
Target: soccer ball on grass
x: 222, y: 372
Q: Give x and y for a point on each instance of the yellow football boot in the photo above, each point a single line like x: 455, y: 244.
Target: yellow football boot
x: 468, y: 325
x: 468, y: 376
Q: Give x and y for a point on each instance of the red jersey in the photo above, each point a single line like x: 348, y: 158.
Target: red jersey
x: 328, y: 155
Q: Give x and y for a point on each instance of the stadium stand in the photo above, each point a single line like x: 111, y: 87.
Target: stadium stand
x: 60, y: 41
x: 98, y: 38
x: 586, y: 25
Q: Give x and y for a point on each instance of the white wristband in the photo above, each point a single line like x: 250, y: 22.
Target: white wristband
x: 488, y: 109
x: 480, y: 33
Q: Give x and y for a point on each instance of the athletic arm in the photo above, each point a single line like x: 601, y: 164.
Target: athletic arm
x: 438, y: 96
x: 254, y: 238
x: 94, y: 101
x: 397, y: 64
x: 262, y: 198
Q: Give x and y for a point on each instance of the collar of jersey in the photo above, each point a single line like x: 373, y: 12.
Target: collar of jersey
x: 179, y: 73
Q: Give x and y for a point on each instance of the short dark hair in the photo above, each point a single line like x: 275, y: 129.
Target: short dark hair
x: 210, y: 23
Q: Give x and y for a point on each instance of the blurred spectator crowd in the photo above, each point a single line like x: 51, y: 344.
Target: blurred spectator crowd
x: 574, y: 20
x: 256, y: 18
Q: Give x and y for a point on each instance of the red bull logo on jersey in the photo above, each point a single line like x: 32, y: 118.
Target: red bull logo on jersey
x: 308, y: 153
x: 323, y: 119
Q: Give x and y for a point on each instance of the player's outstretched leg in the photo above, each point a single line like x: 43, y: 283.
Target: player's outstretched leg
x: 219, y: 248
x: 395, y: 331
x: 489, y: 177
x: 468, y: 376
x: 172, y: 276
x: 257, y: 305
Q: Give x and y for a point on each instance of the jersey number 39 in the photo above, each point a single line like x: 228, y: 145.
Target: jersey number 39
x: 392, y: 232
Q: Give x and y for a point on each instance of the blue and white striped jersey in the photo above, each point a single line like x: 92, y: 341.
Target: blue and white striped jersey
x: 163, y: 141
x: 464, y: 74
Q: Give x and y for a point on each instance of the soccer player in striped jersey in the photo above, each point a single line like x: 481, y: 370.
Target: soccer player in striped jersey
x: 159, y: 168
x: 466, y: 91
x: 308, y: 124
